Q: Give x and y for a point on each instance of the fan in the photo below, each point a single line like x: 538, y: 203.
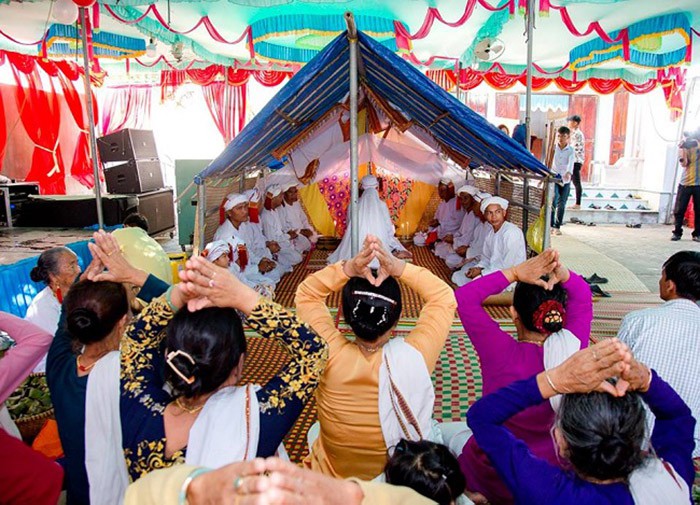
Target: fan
x: 489, y: 49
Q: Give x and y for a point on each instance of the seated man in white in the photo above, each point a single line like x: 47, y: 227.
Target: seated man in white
x: 233, y: 255
x: 472, y: 255
x: 295, y: 222
x: 667, y: 337
x: 374, y: 220
x: 273, y: 229
x: 448, y: 216
x: 262, y: 267
x: 463, y: 236
x: 504, y: 246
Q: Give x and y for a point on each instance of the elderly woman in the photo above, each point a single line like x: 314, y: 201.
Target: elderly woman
x: 57, y: 268
x: 551, y: 325
x: 599, y: 431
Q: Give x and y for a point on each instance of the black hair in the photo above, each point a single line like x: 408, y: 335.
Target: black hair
x: 48, y: 264
x: 683, y: 268
x: 428, y: 468
x: 371, y: 311
x: 604, y: 433
x: 529, y: 301
x: 575, y: 118
x: 564, y: 130
x: 93, y: 309
x: 136, y: 220
x: 214, y: 339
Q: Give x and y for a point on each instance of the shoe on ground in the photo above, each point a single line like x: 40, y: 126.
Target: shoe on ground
x: 636, y: 225
x: 575, y: 220
x: 594, y: 206
x: 598, y: 291
x: 595, y: 279
x: 675, y: 238
x: 609, y: 207
x: 696, y: 239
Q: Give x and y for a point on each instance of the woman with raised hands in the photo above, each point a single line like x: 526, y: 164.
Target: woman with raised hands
x: 600, y: 433
x: 210, y: 420
x: 552, y: 312
x: 82, y: 367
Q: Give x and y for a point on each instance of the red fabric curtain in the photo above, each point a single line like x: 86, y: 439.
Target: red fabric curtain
x: 81, y: 168
x: 126, y: 107
x: 227, y: 105
x: 170, y: 80
x: 40, y: 114
x: 3, y: 130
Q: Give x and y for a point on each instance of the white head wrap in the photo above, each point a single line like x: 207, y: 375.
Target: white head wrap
x: 252, y: 195
x: 481, y: 196
x: 217, y: 249
x: 233, y: 199
x: 494, y: 200
x: 447, y: 181
x: 468, y: 189
x: 289, y: 185
x: 274, y: 190
x: 369, y: 181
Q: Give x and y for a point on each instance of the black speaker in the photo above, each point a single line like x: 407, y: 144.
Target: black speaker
x: 136, y: 176
x: 126, y: 145
x: 158, y: 208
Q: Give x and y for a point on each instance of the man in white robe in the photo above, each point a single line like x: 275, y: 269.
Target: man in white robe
x: 463, y: 236
x: 448, y: 216
x: 273, y: 227
x: 295, y: 222
x: 261, y: 268
x: 374, y: 219
x: 504, y: 246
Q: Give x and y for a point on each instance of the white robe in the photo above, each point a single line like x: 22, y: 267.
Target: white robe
x: 502, y: 249
x: 273, y: 229
x: 475, y: 244
x: 257, y: 250
x: 461, y: 237
x: 44, y: 311
x: 374, y: 220
x: 295, y: 219
x: 449, y: 216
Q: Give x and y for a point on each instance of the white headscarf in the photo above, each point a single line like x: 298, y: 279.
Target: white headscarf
x: 252, y: 195
x: 467, y: 188
x: 233, y: 199
x: 217, y: 249
x: 274, y: 190
x: 494, y: 200
x: 447, y: 181
x: 481, y: 196
x: 369, y: 181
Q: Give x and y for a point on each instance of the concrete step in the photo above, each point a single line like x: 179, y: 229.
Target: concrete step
x: 603, y: 216
x: 629, y: 204
x: 606, y: 193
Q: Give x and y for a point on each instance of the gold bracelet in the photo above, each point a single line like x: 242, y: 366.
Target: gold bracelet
x: 551, y: 384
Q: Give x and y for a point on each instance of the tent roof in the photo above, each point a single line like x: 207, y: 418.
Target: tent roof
x: 324, y: 82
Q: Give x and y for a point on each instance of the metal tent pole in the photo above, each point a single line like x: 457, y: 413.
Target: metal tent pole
x: 458, y: 92
x: 91, y: 120
x: 528, y: 93
x: 548, y: 201
x: 199, y: 241
x: 354, y: 193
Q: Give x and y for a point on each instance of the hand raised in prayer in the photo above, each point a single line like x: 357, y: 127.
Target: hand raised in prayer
x: 389, y: 265
x: 588, y: 370
x: 210, y: 284
x: 359, y: 265
x: 637, y: 377
x: 307, y: 233
x: 273, y: 246
x: 531, y: 271
x: 107, y: 250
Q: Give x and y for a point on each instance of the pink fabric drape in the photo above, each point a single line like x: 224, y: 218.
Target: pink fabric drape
x: 126, y: 107
x: 227, y: 105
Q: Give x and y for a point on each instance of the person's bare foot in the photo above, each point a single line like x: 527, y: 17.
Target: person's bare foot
x: 575, y: 207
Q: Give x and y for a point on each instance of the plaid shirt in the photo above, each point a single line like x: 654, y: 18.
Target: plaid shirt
x: 579, y: 145
x: 667, y: 339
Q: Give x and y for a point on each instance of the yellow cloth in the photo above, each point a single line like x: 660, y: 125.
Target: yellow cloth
x: 380, y: 493
x: 351, y: 443
x: 160, y: 487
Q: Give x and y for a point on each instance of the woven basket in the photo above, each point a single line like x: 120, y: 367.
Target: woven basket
x: 30, y: 425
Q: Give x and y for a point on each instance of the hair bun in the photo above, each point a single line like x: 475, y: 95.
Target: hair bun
x: 83, y: 322
x: 549, y: 317
x: 38, y: 274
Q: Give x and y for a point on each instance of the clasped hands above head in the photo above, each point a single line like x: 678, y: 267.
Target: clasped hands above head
x: 544, y: 270
x: 372, y: 248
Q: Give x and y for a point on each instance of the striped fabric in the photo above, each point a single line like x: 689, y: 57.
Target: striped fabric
x: 666, y: 338
x: 691, y: 173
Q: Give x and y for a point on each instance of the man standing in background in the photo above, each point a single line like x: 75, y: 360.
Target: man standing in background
x: 578, y: 142
x: 689, y: 186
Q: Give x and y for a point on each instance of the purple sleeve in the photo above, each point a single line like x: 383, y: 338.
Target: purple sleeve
x: 488, y: 338
x: 672, y: 438
x: 529, y: 478
x: 579, y: 308
x: 19, y: 361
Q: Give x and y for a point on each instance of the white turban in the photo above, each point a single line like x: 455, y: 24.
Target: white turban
x: 217, y: 249
x: 289, y: 185
x: 274, y: 190
x: 369, y: 181
x: 233, y: 199
x: 468, y: 189
x: 447, y: 181
x: 481, y: 196
x: 494, y: 200
x: 252, y: 195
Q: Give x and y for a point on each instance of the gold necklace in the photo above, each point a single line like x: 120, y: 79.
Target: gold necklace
x: 368, y: 348
x: 194, y: 410
x: 83, y: 368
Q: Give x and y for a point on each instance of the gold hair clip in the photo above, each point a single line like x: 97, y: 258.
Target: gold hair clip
x: 169, y: 360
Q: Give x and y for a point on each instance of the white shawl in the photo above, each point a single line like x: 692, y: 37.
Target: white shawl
x: 557, y: 349
x: 657, y: 483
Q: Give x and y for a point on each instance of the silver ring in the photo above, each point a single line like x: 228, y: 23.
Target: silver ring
x: 237, y: 483
x: 211, y: 283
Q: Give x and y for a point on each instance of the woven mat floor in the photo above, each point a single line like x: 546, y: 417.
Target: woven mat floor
x: 457, y: 376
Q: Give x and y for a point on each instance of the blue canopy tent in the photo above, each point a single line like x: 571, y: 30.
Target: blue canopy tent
x: 403, y: 93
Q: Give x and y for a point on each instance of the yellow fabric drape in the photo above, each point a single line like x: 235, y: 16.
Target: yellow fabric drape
x: 316, y: 208
x: 413, y: 209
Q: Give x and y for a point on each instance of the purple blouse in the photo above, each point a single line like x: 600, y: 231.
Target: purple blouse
x: 533, y: 480
x: 505, y: 360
